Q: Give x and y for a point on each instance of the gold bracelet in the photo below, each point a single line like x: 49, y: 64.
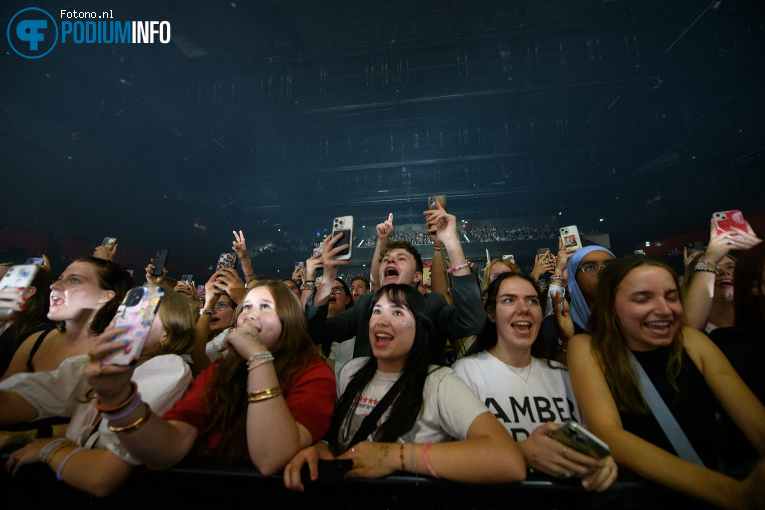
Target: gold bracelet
x: 257, y: 396
x: 140, y: 422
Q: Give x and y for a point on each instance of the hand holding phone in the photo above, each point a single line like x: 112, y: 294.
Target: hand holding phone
x: 570, y: 237
x: 159, y: 261
x: 343, y: 225
x: 136, y: 314
x: 13, y: 285
x: 578, y: 438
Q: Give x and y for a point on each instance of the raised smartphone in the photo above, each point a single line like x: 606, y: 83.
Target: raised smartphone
x: 570, y: 236
x: 109, y: 242
x: 159, y: 261
x: 726, y: 220
x: 582, y: 440
x: 694, y: 247
x: 344, y: 225
x: 318, y: 247
x: 36, y: 260
x: 18, y: 277
x: 226, y: 260
x: 434, y: 199
x: 136, y: 311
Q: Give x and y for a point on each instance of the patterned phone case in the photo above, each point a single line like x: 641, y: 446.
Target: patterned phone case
x: 137, y: 311
x: 226, y: 260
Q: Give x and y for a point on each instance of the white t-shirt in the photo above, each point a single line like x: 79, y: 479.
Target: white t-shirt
x: 161, y: 381
x: 449, y: 407
x: 521, y: 405
x: 342, y: 353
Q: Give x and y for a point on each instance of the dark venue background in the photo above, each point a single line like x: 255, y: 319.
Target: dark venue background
x: 636, y: 119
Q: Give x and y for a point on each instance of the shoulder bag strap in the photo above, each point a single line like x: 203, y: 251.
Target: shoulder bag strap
x: 664, y: 416
x: 370, y: 422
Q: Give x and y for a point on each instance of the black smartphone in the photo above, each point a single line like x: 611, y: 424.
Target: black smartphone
x: 160, y: 259
x: 694, y: 247
x: 329, y: 470
x: 543, y: 251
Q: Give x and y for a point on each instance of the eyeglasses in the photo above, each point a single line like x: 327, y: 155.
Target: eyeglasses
x: 338, y: 290
x: 222, y: 305
x: 592, y: 268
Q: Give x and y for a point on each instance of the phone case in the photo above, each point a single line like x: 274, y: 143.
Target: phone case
x: 226, y: 260
x: 570, y: 236
x: 36, y: 260
x: 344, y: 225
x: 160, y: 259
x: 582, y: 440
x: 109, y: 242
x: 433, y: 199
x: 137, y: 311
x: 187, y: 278
x: 18, y: 276
x: 726, y: 220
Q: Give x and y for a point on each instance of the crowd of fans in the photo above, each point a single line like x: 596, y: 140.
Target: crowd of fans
x: 490, y: 374
x: 493, y: 234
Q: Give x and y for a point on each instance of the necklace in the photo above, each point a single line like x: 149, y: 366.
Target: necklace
x: 526, y: 369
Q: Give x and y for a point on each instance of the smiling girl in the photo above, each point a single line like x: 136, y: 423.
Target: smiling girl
x: 638, y: 313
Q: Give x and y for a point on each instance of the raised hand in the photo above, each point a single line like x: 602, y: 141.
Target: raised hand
x: 385, y: 229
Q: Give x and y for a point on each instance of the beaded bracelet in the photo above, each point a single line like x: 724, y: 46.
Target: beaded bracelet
x: 49, y: 448
x: 140, y: 422
x: 120, y: 407
x: 558, y: 277
x: 707, y: 267
x: 258, y: 355
x: 262, y: 362
x: 257, y: 396
x: 401, y: 456
x: 462, y: 266
x: 61, y: 466
x: 308, y: 286
x: 427, y: 464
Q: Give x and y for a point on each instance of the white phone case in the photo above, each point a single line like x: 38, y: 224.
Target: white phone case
x: 344, y: 224
x: 570, y: 235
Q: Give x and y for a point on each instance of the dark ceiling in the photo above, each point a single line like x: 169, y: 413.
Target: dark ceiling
x: 271, y: 115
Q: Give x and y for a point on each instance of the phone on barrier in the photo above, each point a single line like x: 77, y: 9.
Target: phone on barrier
x: 570, y: 236
x: 436, y: 199
x: 109, y: 242
x: 329, y: 470
x: 344, y: 225
x: 226, y: 260
x: 726, y: 220
x: 18, y: 277
x: 578, y: 438
x: 136, y: 311
x: 160, y: 259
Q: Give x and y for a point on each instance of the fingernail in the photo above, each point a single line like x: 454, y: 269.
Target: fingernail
x: 125, y: 342
x: 23, y: 307
x: 24, y: 299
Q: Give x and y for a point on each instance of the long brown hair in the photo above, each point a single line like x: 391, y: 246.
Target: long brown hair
x: 609, y: 344
x: 178, y: 320
x: 225, y: 397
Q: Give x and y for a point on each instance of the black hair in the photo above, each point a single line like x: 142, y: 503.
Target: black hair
x: 347, y: 291
x: 425, y: 352
x: 366, y: 282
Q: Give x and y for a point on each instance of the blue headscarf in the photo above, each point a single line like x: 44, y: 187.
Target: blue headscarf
x: 580, y: 312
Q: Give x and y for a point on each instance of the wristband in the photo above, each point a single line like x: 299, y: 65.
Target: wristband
x: 61, y: 466
x: 128, y: 410
x: 707, y: 267
x: 140, y: 422
x: 427, y: 464
x: 205, y: 311
x: 49, y: 448
x: 462, y: 266
x: 120, y: 407
x: 257, y: 396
